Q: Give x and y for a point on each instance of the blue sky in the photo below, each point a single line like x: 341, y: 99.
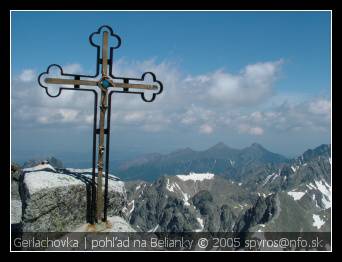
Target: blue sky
x: 236, y: 77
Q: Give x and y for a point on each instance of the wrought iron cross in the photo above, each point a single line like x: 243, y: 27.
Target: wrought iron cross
x: 106, y: 85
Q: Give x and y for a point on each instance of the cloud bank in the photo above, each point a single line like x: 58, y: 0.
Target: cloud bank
x: 205, y: 104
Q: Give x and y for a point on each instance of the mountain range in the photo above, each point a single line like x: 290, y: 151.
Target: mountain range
x: 221, y: 189
x: 220, y: 159
x: 267, y: 193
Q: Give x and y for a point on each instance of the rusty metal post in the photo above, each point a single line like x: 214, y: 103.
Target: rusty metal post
x: 100, y: 196
x: 103, y: 109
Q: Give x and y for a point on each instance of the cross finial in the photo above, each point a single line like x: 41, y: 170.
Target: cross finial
x: 105, y: 41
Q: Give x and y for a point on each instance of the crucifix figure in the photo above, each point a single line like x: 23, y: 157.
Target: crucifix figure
x: 106, y: 84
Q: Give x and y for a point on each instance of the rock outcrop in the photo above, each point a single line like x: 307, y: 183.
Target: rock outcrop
x: 262, y: 212
x: 54, y: 162
x: 16, y: 208
x: 186, y: 203
x: 58, y: 200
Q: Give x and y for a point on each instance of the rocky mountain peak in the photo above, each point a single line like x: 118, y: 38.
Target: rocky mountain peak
x: 219, y: 145
x: 322, y: 150
x: 257, y: 145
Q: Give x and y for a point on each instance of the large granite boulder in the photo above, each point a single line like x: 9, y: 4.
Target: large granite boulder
x: 56, y: 200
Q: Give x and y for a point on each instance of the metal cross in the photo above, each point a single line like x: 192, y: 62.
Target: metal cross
x: 106, y: 84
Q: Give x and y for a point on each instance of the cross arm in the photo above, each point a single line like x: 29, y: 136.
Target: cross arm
x: 50, y: 80
x: 60, y: 81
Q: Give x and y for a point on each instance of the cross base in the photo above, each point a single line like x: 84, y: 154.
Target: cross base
x: 98, y: 227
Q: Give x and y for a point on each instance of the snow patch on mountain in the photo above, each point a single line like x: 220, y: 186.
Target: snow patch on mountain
x: 271, y: 177
x: 294, y: 168
x: 314, y: 199
x: 154, y: 229
x: 185, y: 198
x: 174, y: 187
x: 275, y: 177
x: 325, y: 189
x: 132, y: 206
x: 201, y: 222
x: 263, y: 194
x: 311, y: 186
x: 318, y: 222
x: 296, y: 195
x: 196, y: 176
x: 169, y: 187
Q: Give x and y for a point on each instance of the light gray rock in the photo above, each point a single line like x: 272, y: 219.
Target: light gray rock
x: 16, y: 206
x: 15, y: 171
x: 15, y: 177
x: 59, y: 202
x: 16, y: 210
x: 15, y: 190
x: 56, y: 163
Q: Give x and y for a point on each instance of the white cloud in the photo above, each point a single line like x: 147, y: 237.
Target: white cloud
x: 50, y: 116
x: 253, y: 85
x: 256, y: 131
x: 206, y: 129
x: 68, y: 115
x: 257, y: 116
x: 312, y: 115
x: 134, y: 116
x: 73, y: 69
x: 320, y: 107
x: 27, y: 75
x: 252, y: 130
x: 194, y: 114
x: 153, y: 127
x: 215, y: 101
